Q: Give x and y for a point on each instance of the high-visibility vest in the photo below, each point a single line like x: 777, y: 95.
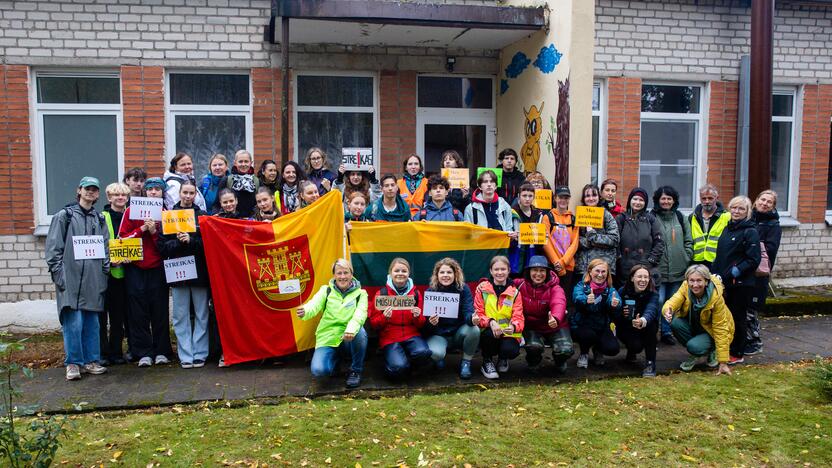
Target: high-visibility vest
x: 415, y: 199
x: 500, y: 312
x: 118, y: 271
x: 704, y: 244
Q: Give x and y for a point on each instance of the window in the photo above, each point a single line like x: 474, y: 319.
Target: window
x: 209, y: 113
x: 335, y: 112
x: 597, y: 132
x: 78, y: 132
x: 782, y: 143
x: 670, y: 139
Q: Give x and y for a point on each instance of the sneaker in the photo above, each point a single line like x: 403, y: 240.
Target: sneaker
x: 186, y: 365
x: 199, y: 363
x: 712, y: 362
x: 353, y: 379
x: 583, y: 361
x: 162, y: 359
x: 752, y: 350
x: 145, y: 362
x: 439, y: 365
x: 668, y: 339
x: 94, y: 368
x: 734, y: 360
x: 649, y: 369
x: 73, y: 372
x: 688, y: 364
x: 502, y: 365
x: 221, y: 363
x: 489, y: 371
x: 465, y: 369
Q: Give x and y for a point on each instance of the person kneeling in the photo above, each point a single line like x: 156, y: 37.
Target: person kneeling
x: 638, y: 323
x: 596, y: 305
x: 499, y: 307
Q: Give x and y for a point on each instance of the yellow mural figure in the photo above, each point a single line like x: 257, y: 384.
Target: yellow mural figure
x: 533, y: 128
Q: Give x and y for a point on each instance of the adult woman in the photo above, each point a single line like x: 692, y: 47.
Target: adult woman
x: 267, y: 175
x: 596, y: 243
x: 288, y: 183
x: 737, y: 258
x: 700, y: 319
x: 244, y: 183
x: 452, y: 332
x: 636, y: 326
x: 317, y: 169
x: 191, y: 339
x: 438, y: 207
x: 538, y: 181
x: 391, y: 206
x: 413, y: 185
x: 398, y: 328
x: 597, y: 304
x: 212, y: 182
x: 343, y: 308
x: 457, y: 196
x: 358, y: 181
x: 678, y: 248
x: 640, y: 237
x: 181, y: 169
x: 499, y: 306
x: 489, y: 210
x: 147, y: 289
x: 767, y: 220
x: 544, y: 311
x: 308, y: 193
x: 609, y: 188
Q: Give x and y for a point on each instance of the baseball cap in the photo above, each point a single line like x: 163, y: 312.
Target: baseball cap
x: 89, y: 182
x: 563, y: 190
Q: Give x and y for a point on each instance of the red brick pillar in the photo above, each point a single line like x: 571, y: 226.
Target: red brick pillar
x: 722, y: 137
x: 143, y: 101
x: 16, y: 166
x: 624, y: 133
x: 814, y: 153
x: 265, y: 82
x: 397, y: 96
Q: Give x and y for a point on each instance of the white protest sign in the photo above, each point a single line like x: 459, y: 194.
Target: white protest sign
x: 445, y: 305
x: 142, y: 208
x: 180, y: 269
x: 88, y: 247
x: 289, y: 286
x: 357, y: 159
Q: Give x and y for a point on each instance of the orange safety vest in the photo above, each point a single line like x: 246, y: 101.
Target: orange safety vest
x: 416, y: 199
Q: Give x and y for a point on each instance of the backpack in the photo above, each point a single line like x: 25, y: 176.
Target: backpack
x: 68, y: 220
x: 423, y: 213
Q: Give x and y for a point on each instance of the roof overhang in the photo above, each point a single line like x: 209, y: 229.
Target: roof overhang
x: 386, y: 23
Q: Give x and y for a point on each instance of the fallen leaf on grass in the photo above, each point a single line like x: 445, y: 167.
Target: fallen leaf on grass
x: 730, y: 427
x: 689, y: 458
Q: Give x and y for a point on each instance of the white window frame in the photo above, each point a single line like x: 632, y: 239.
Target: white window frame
x: 794, y: 148
x: 459, y: 116
x: 174, y: 110
x: 374, y: 109
x: 601, y: 113
x: 699, y: 119
x: 42, y: 216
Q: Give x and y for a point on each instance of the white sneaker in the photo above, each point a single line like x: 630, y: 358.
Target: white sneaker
x: 73, y: 372
x: 162, y: 359
x: 94, y: 368
x: 222, y: 362
x: 489, y: 371
x: 502, y: 365
x: 145, y: 362
x: 583, y: 361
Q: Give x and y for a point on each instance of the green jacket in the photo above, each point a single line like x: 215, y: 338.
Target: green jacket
x: 678, y: 242
x: 343, y: 312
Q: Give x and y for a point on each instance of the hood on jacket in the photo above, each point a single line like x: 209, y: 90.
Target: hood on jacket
x: 637, y: 191
x: 353, y: 286
x: 392, y: 288
x: 431, y: 206
x: 759, y: 217
x: 741, y: 224
x: 477, y: 197
x: 401, y: 209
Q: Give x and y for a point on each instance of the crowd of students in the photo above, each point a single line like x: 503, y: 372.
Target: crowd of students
x: 700, y: 280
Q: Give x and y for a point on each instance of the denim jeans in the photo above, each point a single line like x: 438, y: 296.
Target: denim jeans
x: 399, y: 357
x: 325, y: 359
x: 80, y: 329
x: 467, y: 338
x: 191, y: 343
x: 666, y: 290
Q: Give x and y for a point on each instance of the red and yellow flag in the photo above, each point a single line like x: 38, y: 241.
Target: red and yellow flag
x: 246, y: 262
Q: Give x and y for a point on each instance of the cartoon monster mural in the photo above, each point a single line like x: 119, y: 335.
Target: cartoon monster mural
x: 533, y: 128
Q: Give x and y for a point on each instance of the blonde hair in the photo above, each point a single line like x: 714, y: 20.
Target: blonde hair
x: 219, y: 156
x: 243, y: 152
x: 741, y: 200
x: 767, y: 192
x: 307, y: 161
x: 498, y: 258
x: 117, y: 188
x: 594, y: 263
x: 459, y: 277
x: 700, y: 270
x: 342, y: 263
x: 403, y: 262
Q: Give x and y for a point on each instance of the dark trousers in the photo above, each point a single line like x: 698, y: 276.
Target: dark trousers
x: 737, y: 299
x: 214, y: 344
x: 502, y: 347
x: 148, y: 313
x: 113, y: 322
x: 757, y: 307
x: 603, y: 339
x: 636, y: 340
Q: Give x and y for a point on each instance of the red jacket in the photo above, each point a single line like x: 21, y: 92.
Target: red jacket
x: 540, y: 302
x: 401, y: 326
x: 133, y: 228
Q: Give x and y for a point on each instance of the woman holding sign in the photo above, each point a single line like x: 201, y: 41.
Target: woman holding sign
x: 499, y: 306
x: 457, y: 330
x: 638, y: 323
x: 191, y: 340
x: 596, y: 242
x: 413, y: 185
x: 597, y: 304
x: 398, y: 325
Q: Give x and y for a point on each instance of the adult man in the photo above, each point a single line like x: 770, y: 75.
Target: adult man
x: 78, y: 258
x: 707, y: 221
x: 512, y: 178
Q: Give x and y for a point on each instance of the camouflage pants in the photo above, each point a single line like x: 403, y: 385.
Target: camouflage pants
x: 559, y: 340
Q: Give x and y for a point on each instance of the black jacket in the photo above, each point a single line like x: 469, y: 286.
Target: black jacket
x: 739, y: 246
x: 768, y: 226
x: 640, y: 242
x: 510, y: 189
x: 170, y: 247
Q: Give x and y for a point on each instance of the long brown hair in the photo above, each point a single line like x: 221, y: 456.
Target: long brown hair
x: 459, y: 277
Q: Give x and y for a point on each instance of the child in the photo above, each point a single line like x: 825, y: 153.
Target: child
x: 438, y: 207
x: 526, y: 213
x: 116, y: 294
x: 212, y: 182
x: 308, y: 193
x: 266, y: 211
x: 243, y: 182
x: 228, y: 205
x: 134, y: 178
x: 499, y: 306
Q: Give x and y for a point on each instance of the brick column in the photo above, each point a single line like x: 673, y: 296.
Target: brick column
x: 16, y: 166
x: 814, y: 153
x: 624, y: 133
x: 722, y: 137
x: 143, y: 101
x: 397, y: 96
x: 266, y: 82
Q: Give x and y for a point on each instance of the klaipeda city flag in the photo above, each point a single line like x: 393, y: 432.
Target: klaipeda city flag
x: 247, y: 260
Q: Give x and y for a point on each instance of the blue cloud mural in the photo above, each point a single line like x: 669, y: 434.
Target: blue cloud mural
x: 503, y: 86
x: 547, y: 59
x: 518, y: 63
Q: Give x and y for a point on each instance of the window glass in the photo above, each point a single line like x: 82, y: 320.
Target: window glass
x: 596, y: 135
x: 781, y: 149
x: 209, y: 89
x: 596, y: 97
x: 202, y: 136
x: 458, y: 93
x: 341, y: 91
x: 78, y: 90
x: 782, y: 105
x: 667, y: 98
x: 678, y: 177
x: 333, y: 131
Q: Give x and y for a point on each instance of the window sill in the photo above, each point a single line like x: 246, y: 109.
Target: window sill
x: 41, y: 231
x: 829, y: 219
x: 788, y: 221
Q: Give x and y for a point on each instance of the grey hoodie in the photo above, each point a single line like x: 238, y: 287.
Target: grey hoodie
x: 79, y: 284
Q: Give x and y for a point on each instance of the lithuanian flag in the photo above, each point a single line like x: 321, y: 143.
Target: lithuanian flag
x: 248, y: 260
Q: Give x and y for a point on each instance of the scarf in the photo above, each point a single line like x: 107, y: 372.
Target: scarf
x: 242, y: 182
x: 597, y: 288
x: 413, y: 182
x: 290, y: 197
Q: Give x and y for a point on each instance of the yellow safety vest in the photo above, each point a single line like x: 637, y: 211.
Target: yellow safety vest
x: 704, y: 245
x: 118, y: 271
x: 501, y: 313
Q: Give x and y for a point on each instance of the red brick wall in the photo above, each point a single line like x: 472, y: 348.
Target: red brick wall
x: 722, y: 137
x: 16, y: 171
x: 143, y: 101
x: 397, y: 96
x: 267, y: 85
x: 814, y: 153
x: 623, y: 133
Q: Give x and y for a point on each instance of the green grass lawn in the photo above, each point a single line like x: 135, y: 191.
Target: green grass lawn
x: 759, y: 416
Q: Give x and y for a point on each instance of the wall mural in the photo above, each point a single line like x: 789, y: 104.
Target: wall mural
x: 532, y: 128
x: 561, y: 148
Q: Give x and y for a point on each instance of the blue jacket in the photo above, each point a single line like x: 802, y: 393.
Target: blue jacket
x: 596, y: 316
x: 449, y: 326
x: 647, y: 303
x: 430, y: 212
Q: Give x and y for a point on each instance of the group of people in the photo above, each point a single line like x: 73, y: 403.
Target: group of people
x: 700, y: 279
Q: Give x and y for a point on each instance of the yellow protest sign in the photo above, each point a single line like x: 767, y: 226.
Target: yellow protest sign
x: 543, y: 199
x: 458, y: 178
x: 592, y: 216
x: 174, y: 221
x: 126, y: 250
x: 532, y: 233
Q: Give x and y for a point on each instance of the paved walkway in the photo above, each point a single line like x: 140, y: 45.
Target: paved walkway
x: 127, y: 386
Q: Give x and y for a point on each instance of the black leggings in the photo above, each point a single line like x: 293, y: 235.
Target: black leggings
x: 737, y: 299
x: 636, y: 340
x: 503, y: 347
x: 602, y: 339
